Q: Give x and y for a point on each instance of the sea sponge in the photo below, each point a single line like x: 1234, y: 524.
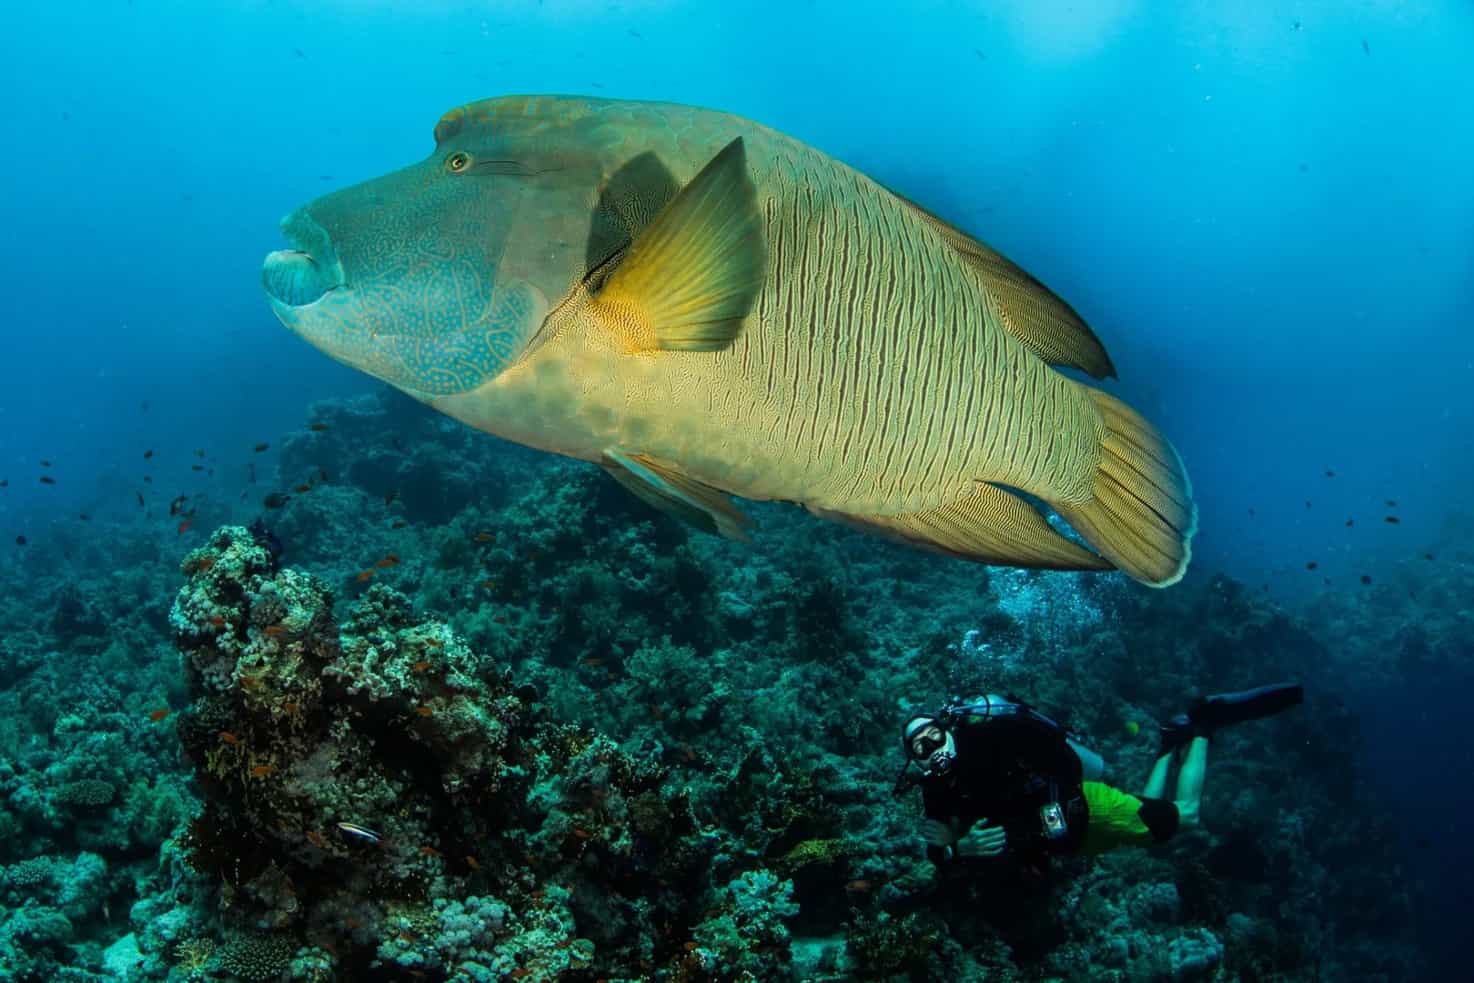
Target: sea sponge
x: 809, y: 852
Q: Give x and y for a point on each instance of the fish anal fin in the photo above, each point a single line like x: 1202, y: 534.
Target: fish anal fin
x: 1031, y: 312
x: 692, y: 276
x: 989, y: 525
x: 665, y: 488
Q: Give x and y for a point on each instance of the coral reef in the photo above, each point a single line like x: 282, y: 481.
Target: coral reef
x: 465, y: 713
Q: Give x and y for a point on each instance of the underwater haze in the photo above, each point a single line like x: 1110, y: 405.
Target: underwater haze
x: 302, y: 680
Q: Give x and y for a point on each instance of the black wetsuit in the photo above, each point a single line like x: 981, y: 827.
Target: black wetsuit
x: 1007, y: 769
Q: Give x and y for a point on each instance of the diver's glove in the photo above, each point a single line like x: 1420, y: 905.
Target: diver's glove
x: 982, y: 841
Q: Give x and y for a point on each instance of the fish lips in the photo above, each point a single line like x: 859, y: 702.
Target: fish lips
x: 306, y: 273
x: 294, y: 279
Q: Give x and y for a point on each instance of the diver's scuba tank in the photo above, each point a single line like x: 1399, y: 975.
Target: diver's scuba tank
x: 992, y: 706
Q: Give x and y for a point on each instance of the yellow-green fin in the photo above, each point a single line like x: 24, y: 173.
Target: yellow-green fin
x: 628, y: 202
x: 990, y: 525
x: 1141, y: 514
x: 1032, y: 312
x: 693, y: 275
x: 668, y: 490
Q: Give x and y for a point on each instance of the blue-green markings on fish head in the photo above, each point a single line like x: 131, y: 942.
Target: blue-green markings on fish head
x: 420, y: 277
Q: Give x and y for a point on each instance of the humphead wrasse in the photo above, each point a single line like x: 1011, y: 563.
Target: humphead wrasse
x: 708, y: 308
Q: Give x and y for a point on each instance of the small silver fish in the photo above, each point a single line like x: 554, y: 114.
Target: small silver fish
x: 356, y: 832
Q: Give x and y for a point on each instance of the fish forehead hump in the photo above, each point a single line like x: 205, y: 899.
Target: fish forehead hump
x: 614, y: 130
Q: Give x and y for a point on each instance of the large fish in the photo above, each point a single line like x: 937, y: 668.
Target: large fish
x: 709, y: 308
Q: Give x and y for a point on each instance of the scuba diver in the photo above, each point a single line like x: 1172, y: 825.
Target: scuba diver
x: 998, y: 777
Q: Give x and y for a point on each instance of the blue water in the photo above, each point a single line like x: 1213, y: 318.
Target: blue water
x: 1268, y: 225
x: 1265, y: 213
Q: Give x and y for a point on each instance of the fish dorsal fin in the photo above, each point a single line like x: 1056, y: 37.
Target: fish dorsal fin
x: 692, y: 276
x: 667, y: 489
x: 1032, y: 312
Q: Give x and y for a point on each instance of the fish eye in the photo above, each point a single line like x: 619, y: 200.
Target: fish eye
x: 458, y: 162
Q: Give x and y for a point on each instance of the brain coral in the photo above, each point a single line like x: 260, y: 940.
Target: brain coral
x: 256, y: 957
x: 86, y: 793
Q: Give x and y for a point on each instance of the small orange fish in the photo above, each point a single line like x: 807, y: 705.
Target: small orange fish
x: 429, y: 851
x: 404, y: 936
x: 487, y: 585
x: 689, y: 946
x: 184, y: 526
x: 519, y: 972
x: 582, y: 833
x: 206, y: 562
x: 217, y: 620
x: 274, y: 631
x: 365, y: 575
x: 389, y: 560
x: 250, y: 682
x: 422, y: 665
x: 472, y: 862
x: 484, y: 536
x: 591, y: 662
x: 159, y: 714
x: 302, y: 488
x: 859, y: 886
x: 398, y: 524
x: 229, y: 738
x: 424, y: 711
x: 261, y: 771
x: 317, y: 839
x: 435, y: 643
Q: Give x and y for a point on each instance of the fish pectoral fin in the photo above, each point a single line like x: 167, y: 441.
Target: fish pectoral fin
x: 990, y: 525
x: 690, y: 279
x: 667, y: 489
x: 1031, y: 312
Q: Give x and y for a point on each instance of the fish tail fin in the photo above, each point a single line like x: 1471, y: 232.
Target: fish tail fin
x: 1141, y: 514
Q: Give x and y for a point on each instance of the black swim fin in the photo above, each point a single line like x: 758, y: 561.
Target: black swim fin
x: 1223, y: 709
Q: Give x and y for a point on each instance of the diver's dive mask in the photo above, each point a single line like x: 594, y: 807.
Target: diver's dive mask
x: 930, y: 745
